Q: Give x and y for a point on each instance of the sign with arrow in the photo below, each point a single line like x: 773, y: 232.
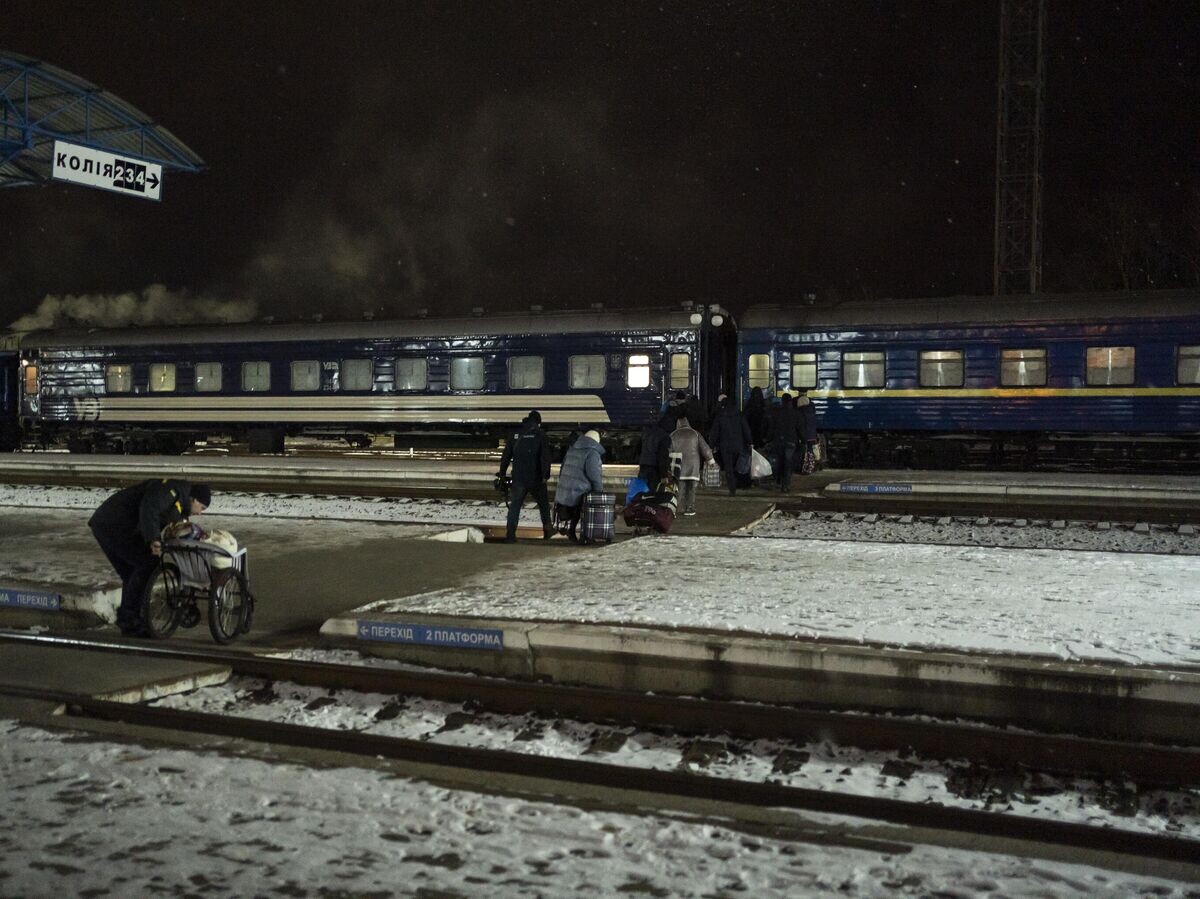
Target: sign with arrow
x: 97, y: 168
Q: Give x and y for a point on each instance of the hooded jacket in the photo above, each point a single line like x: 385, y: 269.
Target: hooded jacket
x: 729, y: 432
x: 143, y: 509
x: 528, y: 454
x: 692, y: 449
x: 581, y: 472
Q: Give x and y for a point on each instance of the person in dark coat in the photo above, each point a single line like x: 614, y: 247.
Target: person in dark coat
x: 787, y: 436
x: 673, y: 410
x: 808, y: 421
x: 756, y: 416
x: 655, y: 459
x: 529, y: 456
x: 695, y: 413
x: 730, y: 437
x: 128, y: 526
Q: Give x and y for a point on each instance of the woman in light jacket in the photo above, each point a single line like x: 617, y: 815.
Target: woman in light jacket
x: 581, y: 473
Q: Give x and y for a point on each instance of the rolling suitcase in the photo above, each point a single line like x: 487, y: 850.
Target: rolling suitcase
x: 597, y: 518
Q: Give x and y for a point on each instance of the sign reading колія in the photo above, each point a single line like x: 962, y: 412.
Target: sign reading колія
x: 96, y: 168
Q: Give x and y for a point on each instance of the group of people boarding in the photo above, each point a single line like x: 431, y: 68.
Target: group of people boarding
x: 674, y: 451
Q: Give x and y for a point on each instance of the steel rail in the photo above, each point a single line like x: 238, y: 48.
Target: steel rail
x: 556, y: 777
x: 1144, y: 763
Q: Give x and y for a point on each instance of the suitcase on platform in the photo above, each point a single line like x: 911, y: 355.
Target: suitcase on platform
x: 647, y: 516
x: 596, y: 521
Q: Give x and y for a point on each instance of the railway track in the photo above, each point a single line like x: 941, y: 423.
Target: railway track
x: 1178, y: 765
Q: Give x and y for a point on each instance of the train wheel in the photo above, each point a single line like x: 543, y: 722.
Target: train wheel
x: 163, y: 601
x: 229, y: 606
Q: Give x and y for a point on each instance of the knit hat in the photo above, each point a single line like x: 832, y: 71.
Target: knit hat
x: 202, y: 493
x: 593, y: 435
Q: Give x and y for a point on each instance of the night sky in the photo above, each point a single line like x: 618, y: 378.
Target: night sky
x: 381, y: 157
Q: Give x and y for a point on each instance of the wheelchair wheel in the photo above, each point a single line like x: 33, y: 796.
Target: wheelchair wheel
x: 229, y: 606
x: 163, y: 602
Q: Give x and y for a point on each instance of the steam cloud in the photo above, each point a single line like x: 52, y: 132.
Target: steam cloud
x: 154, y: 305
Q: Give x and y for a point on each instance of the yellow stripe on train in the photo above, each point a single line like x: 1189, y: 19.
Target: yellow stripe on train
x: 1003, y: 392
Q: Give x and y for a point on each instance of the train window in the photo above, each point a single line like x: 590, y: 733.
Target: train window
x: 162, y: 377
x: 681, y: 371
x: 587, y: 372
x: 256, y: 376
x: 637, y: 374
x: 1022, y: 368
x: 118, y: 378
x: 306, y: 374
x: 1109, y: 365
x: 862, y: 370
x: 1187, y: 368
x: 758, y: 370
x: 208, y: 377
x: 941, y: 368
x: 356, y: 374
x: 466, y: 373
x: 411, y: 374
x: 30, y: 380
x: 804, y: 370
x: 526, y: 373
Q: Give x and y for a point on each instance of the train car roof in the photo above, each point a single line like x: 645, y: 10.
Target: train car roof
x: 978, y: 310
x: 401, y: 329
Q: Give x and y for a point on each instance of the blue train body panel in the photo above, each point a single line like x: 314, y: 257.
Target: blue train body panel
x: 591, y: 370
x: 1163, y: 396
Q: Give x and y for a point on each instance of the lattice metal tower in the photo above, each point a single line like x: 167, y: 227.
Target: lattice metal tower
x: 1018, y: 237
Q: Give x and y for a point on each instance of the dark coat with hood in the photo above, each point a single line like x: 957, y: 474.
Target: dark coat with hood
x: 787, y: 429
x: 143, y: 509
x: 528, y: 453
x: 808, y: 419
x: 656, y: 448
x: 729, y: 434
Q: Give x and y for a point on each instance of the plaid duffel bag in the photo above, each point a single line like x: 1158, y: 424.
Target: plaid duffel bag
x: 596, y: 522
x: 710, y: 475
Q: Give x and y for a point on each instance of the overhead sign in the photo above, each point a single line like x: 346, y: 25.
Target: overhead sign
x: 96, y: 168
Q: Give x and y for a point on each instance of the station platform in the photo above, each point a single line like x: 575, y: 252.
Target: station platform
x: 390, y: 475
x: 96, y: 674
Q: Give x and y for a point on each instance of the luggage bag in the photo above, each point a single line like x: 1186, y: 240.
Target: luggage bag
x: 639, y: 514
x: 596, y: 522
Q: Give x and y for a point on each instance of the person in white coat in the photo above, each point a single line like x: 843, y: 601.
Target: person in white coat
x: 693, y: 452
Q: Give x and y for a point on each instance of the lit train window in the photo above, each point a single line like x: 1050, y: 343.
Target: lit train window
x: 256, y: 376
x: 208, y: 377
x: 804, y: 370
x: 638, y: 372
x: 681, y: 371
x: 1022, y: 368
x: 1109, y: 365
x: 306, y: 374
x: 356, y: 374
x: 862, y: 370
x: 411, y: 374
x: 759, y: 371
x: 941, y: 368
x: 587, y: 372
x: 30, y: 380
x: 162, y: 377
x: 466, y: 373
x: 526, y: 373
x: 118, y: 378
x: 1187, y: 369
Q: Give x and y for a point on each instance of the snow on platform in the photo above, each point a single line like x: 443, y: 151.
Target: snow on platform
x: 1111, y: 607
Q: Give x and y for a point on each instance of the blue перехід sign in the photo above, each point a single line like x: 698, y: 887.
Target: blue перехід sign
x: 30, y: 599
x: 431, y: 635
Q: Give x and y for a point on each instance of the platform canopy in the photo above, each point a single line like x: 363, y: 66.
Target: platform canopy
x: 41, y: 103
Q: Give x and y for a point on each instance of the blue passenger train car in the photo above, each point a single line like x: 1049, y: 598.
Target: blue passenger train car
x: 933, y: 382
x: 162, y: 388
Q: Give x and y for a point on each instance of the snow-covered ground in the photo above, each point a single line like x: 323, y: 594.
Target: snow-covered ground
x: 289, y: 505
x: 980, y: 531
x: 1134, y: 608
x: 819, y: 766
x: 86, y: 817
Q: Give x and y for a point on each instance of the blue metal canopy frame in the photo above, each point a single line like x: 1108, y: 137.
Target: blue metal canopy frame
x: 41, y: 103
